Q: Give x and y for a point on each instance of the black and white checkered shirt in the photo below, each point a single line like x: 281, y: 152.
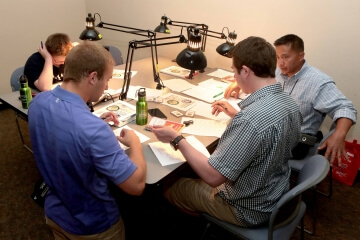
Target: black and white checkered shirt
x: 253, y: 153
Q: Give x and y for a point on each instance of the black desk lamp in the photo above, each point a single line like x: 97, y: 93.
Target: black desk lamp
x: 192, y: 57
x: 150, y: 42
x: 223, y: 49
x: 90, y: 33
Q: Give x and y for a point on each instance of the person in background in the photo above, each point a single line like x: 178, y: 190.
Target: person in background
x: 317, y: 96
x: 78, y: 154
x: 46, y: 67
x: 248, y: 172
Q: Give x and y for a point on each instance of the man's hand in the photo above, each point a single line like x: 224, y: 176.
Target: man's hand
x: 164, y: 134
x: 233, y: 90
x: 335, y: 149
x: 110, y: 117
x: 128, y: 138
x: 223, y: 106
x: 44, y: 52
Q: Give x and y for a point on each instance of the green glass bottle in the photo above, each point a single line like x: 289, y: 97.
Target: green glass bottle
x: 25, y: 92
x: 141, y: 107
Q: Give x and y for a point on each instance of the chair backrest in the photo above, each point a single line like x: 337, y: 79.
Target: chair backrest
x: 116, y: 54
x: 14, y: 79
x: 314, y: 171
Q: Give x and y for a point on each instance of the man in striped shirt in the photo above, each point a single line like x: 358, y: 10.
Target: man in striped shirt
x: 248, y: 172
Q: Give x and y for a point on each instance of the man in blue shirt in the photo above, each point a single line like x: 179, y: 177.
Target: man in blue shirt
x: 78, y: 154
x: 317, y: 96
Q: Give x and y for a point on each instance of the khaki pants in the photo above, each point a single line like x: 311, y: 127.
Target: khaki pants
x: 197, y: 196
x: 115, y: 232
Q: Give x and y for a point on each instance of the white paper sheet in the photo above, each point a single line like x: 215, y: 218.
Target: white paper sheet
x: 204, y: 109
x: 178, y: 85
x: 178, y: 102
x: 214, y: 85
x: 204, y: 127
x: 221, y: 73
x: 167, y: 156
x: 204, y: 94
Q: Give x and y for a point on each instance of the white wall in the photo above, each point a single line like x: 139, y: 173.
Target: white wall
x: 329, y: 28
x: 25, y: 23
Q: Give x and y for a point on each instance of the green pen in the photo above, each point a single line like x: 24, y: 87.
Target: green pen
x: 218, y: 94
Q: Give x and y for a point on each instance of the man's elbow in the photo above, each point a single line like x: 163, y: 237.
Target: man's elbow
x: 139, y: 189
x: 214, y: 182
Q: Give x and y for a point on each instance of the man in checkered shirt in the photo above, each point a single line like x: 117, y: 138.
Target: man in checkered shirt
x: 248, y: 172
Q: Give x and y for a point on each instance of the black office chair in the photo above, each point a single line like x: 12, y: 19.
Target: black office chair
x: 313, y: 172
x: 297, y: 165
x: 15, y: 86
x: 116, y: 54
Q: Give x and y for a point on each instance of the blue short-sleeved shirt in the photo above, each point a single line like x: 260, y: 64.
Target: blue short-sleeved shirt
x: 78, y: 155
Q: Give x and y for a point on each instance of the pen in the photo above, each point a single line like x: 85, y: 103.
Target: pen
x: 42, y: 46
x: 223, y: 107
x: 217, y: 94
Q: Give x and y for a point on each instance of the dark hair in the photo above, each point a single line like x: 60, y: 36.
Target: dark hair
x: 255, y: 53
x: 295, y: 42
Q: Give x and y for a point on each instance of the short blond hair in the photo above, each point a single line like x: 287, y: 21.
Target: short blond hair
x: 85, y: 58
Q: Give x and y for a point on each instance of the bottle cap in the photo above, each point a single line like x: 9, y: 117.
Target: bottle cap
x: 23, y: 79
x: 142, y: 92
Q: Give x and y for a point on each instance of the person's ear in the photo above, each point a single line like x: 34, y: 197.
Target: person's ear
x: 246, y: 70
x: 92, y: 78
x: 301, y: 56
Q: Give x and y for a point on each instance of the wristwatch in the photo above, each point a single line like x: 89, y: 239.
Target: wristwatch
x: 175, y: 143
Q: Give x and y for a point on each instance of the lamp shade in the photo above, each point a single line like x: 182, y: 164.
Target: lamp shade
x: 90, y: 33
x: 192, y: 57
x: 191, y: 60
x: 162, y: 28
x: 224, y: 48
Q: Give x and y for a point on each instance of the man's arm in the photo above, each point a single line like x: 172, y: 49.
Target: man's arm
x: 45, y: 80
x: 197, y: 161
x: 135, y: 184
x: 335, y: 144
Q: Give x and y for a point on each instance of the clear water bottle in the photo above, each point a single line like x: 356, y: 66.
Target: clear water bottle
x: 25, y: 92
x: 141, y: 107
